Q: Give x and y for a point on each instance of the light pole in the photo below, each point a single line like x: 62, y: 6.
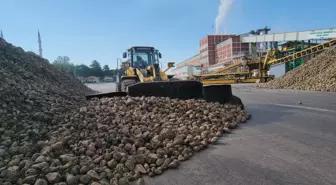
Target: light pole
x: 118, y: 69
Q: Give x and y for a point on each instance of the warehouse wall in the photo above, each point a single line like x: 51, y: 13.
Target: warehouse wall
x: 216, y: 49
x: 186, y: 71
x: 204, y: 51
x: 224, y: 51
x: 194, y: 60
x: 208, y: 47
x: 182, y: 69
x: 229, y: 49
x: 238, y: 47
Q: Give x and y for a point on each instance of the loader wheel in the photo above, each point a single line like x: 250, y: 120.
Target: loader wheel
x: 268, y: 79
x: 118, y: 87
x: 126, y: 83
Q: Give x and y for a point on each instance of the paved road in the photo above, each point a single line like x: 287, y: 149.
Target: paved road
x: 322, y: 100
x: 103, y: 87
x: 284, y: 143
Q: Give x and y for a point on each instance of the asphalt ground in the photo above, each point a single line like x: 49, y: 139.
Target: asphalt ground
x: 285, y: 142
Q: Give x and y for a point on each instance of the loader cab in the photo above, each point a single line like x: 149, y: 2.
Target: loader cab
x: 142, y: 56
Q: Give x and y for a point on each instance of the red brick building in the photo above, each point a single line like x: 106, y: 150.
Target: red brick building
x: 229, y: 50
x: 208, y: 48
x: 216, y: 51
x: 221, y: 50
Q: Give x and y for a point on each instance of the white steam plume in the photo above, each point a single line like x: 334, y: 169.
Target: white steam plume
x: 223, y: 9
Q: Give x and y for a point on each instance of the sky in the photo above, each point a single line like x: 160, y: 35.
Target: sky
x: 87, y: 30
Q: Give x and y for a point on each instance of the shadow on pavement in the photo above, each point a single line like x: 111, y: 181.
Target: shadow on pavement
x: 266, y: 114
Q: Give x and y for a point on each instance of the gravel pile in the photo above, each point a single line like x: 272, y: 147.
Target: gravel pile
x: 50, y: 135
x: 318, y: 74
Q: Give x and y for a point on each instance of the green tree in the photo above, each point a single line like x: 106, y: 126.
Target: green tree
x: 96, y: 69
x: 106, y: 70
x: 83, y: 70
x: 63, y: 63
x: 63, y: 59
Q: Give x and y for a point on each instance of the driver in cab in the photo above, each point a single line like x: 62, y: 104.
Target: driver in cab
x: 141, y: 62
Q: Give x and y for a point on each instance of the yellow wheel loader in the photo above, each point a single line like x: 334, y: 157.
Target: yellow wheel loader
x: 144, y: 77
x: 142, y: 66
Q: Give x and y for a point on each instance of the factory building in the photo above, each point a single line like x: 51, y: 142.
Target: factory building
x: 208, y: 48
x: 215, y: 52
x: 229, y: 52
x: 219, y: 50
x: 194, y: 60
x: 187, y: 67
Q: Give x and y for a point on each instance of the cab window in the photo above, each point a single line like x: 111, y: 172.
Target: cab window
x: 142, y: 59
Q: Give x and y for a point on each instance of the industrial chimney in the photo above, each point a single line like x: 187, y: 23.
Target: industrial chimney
x: 39, y: 42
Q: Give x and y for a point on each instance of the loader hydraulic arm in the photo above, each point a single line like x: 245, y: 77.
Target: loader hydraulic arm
x: 170, y: 65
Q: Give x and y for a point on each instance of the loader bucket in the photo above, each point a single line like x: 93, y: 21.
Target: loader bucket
x: 184, y: 89
x: 221, y: 94
x: 105, y: 95
x: 217, y: 93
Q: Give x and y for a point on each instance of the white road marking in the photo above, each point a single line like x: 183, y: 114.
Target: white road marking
x: 304, y: 107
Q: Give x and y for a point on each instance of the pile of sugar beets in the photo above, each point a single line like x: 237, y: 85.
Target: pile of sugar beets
x: 50, y: 135
x: 317, y: 74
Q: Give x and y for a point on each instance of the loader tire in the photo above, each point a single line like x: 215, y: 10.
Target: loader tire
x: 118, y: 87
x: 269, y: 79
x: 126, y: 83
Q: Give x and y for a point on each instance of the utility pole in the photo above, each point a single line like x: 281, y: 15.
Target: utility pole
x: 118, y: 69
x: 39, y: 42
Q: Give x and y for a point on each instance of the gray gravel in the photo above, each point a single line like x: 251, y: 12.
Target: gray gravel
x: 282, y: 143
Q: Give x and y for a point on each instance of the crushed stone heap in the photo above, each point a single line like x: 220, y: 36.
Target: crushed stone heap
x: 318, y: 74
